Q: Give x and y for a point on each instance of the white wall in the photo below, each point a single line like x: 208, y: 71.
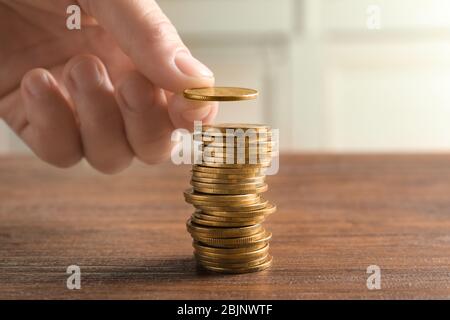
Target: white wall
x: 327, y: 81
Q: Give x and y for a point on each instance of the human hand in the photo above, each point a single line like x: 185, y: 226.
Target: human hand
x: 108, y: 92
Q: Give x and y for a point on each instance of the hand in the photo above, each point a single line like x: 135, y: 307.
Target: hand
x: 107, y: 92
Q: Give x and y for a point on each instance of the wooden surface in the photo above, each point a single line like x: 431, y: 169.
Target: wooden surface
x: 337, y: 215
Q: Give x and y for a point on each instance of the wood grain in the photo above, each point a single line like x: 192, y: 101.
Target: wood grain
x: 337, y: 215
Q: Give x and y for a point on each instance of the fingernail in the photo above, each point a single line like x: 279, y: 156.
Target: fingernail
x: 191, y: 67
x: 86, y: 74
x: 37, y: 83
x: 196, y: 114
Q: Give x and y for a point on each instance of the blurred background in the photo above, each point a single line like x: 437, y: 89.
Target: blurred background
x: 334, y: 75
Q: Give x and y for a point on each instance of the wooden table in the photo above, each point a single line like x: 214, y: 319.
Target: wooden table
x: 337, y: 215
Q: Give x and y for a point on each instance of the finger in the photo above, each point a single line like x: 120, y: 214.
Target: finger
x: 101, y: 125
x: 152, y: 42
x: 147, y: 121
x: 184, y: 112
x: 52, y: 132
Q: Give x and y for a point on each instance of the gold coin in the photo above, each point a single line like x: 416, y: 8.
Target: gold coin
x: 228, y: 181
x: 251, y: 185
x: 232, y: 264
x: 231, y: 191
x: 215, y: 147
x: 200, y: 174
x: 236, y: 161
x: 191, y: 194
x: 214, y: 151
x: 262, y: 236
x: 234, y: 142
x: 213, y: 209
x: 229, y: 261
x: 209, y: 199
x: 228, y: 258
x: 222, y: 157
x: 235, y: 133
x: 234, y: 126
x: 210, y: 223
x: 243, y: 208
x: 266, y: 264
x: 235, y: 166
x: 227, y: 153
x: 224, y: 152
x: 234, y: 139
x: 198, y: 246
x: 231, y: 212
x: 201, y: 215
x: 222, y: 232
x: 231, y: 216
x: 220, y: 94
x: 224, y: 204
x: 222, y: 191
x: 248, y: 255
x: 232, y: 170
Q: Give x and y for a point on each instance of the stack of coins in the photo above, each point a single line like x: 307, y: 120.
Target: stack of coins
x: 227, y: 186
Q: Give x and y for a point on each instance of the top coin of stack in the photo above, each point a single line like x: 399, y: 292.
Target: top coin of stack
x: 226, y: 193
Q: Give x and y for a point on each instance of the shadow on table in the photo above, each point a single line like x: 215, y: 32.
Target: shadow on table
x: 156, y: 270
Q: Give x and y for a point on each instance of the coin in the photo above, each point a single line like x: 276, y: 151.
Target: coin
x: 234, y: 154
x: 235, y: 223
x: 198, y: 246
x: 224, y: 157
x: 231, y: 212
x: 226, y: 257
x: 231, y: 264
x: 212, y: 209
x: 258, y: 180
x: 202, y: 215
x: 230, y: 170
x: 190, y: 193
x: 200, y: 174
x: 220, y: 94
x: 226, y: 225
x: 234, y: 242
x: 236, y: 160
x: 233, y: 141
x: 222, y: 232
x: 236, y: 126
x: 249, y: 185
x: 226, y: 191
x: 266, y: 264
x: 238, y: 165
x: 225, y: 204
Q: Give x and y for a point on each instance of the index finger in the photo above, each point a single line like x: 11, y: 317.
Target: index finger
x: 148, y: 37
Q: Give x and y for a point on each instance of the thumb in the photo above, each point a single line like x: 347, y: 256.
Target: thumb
x: 148, y: 37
